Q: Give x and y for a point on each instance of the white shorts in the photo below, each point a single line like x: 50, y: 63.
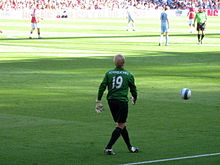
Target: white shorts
x: 191, y: 21
x: 130, y: 18
x: 35, y: 25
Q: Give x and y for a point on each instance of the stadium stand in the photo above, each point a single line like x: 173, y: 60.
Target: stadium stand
x: 103, y: 4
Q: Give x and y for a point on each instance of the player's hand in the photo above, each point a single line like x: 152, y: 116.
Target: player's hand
x: 133, y: 100
x: 99, y: 107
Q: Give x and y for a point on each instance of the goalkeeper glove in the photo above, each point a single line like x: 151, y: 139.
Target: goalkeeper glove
x: 99, y: 107
x: 133, y: 100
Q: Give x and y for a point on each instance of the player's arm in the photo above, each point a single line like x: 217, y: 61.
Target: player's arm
x: 194, y: 20
x: 39, y: 15
x: 168, y: 23
x: 133, y: 89
x: 99, y: 107
x: 205, y: 17
x: 39, y: 18
x: 188, y: 14
x: 102, y: 87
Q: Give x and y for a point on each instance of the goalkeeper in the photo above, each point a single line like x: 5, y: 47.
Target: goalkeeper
x: 118, y: 81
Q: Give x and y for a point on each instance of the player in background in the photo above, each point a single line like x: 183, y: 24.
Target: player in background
x: 200, y: 18
x: 118, y: 81
x: 164, y: 25
x: 130, y: 17
x: 191, y: 15
x: 35, y: 21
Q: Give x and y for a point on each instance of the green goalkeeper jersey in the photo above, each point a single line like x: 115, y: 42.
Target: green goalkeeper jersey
x: 201, y: 17
x: 118, y: 81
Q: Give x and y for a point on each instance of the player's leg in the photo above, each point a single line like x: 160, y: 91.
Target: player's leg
x: 31, y: 32
x: 122, y: 119
x: 121, y: 124
x: 125, y: 136
x: 202, y: 36
x: 114, y: 137
x: 202, y: 32
x: 128, y: 25
x: 198, y: 36
x: 161, y: 39
x: 167, y: 39
x: 33, y: 27
x: 114, y: 106
x: 38, y: 29
x: 133, y: 25
x: 38, y: 32
x: 191, y: 21
x: 199, y: 32
x: 191, y: 28
x: 119, y: 112
x: 163, y: 30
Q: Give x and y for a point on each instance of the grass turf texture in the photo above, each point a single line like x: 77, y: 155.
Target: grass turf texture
x: 48, y: 89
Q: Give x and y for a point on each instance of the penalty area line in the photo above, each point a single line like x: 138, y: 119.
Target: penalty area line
x: 170, y: 159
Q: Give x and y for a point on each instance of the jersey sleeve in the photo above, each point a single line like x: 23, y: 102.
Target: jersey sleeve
x: 132, y: 87
x: 102, y: 87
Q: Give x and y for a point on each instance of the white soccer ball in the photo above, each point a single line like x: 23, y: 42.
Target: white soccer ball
x: 185, y: 93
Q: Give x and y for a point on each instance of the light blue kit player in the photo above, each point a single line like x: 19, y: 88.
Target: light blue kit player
x: 164, y: 26
x: 131, y: 17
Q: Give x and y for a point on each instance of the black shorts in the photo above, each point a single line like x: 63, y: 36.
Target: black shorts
x: 119, y: 110
x: 201, y: 26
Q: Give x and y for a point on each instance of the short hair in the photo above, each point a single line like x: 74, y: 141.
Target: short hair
x: 119, y: 60
x: 166, y: 7
x: 201, y: 8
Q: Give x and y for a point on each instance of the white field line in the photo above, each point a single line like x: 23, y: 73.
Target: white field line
x: 170, y: 159
x: 45, y: 50
x: 46, y: 47
x: 49, y: 34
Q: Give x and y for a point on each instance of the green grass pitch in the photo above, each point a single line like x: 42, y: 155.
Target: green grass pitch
x: 48, y: 89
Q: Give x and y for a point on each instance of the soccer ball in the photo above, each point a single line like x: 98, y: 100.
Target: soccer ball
x: 185, y: 93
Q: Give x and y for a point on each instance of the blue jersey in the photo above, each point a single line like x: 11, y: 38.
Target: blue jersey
x: 163, y: 18
x: 164, y: 22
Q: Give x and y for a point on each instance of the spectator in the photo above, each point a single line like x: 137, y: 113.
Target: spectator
x: 104, y: 4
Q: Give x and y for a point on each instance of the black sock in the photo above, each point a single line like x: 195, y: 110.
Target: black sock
x: 125, y: 136
x: 115, y: 135
x: 198, y: 37
x: 202, y: 36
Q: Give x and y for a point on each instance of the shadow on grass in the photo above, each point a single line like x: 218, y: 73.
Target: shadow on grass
x: 139, y: 56
x: 155, y: 63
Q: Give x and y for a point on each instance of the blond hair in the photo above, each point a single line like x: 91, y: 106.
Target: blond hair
x: 119, y: 60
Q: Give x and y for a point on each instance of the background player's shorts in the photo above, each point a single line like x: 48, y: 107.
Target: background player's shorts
x: 201, y: 26
x: 191, y: 21
x: 164, y: 29
x: 119, y: 110
x: 130, y: 18
x: 35, y: 25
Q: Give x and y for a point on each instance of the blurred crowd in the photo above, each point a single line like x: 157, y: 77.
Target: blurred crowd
x: 105, y: 4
